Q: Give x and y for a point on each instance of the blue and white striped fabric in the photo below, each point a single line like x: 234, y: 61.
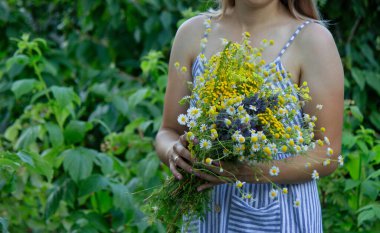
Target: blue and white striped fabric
x: 232, y: 214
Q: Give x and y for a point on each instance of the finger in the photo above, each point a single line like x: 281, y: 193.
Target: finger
x: 185, y: 166
x: 183, y: 140
x: 183, y: 152
x: 207, y: 177
x: 206, y: 186
x: 174, y: 170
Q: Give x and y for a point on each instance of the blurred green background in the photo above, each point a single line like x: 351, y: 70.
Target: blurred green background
x: 81, y: 95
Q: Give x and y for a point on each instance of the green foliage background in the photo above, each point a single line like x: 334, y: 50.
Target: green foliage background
x: 81, y: 94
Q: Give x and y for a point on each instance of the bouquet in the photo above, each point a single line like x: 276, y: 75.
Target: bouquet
x: 237, y: 113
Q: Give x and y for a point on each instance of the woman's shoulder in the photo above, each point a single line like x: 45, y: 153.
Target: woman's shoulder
x: 190, y: 33
x: 316, y: 37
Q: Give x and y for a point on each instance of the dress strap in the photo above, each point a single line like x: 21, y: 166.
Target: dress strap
x: 204, y: 39
x: 286, y: 46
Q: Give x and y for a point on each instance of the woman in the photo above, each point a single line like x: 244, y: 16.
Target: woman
x: 306, y: 49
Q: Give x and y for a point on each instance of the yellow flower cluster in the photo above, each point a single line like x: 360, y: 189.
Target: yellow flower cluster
x: 275, y: 126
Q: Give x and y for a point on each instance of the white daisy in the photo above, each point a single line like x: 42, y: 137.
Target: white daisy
x: 205, y: 144
x: 252, y: 107
x: 315, y: 175
x: 340, y: 160
x: 284, y: 190
x: 194, y: 112
x: 308, y: 164
x: 239, y: 184
x: 227, y: 122
x: 241, y: 139
x: 203, y: 127
x: 319, y: 106
x: 273, y: 194
x: 231, y: 110
x: 326, y: 162
x: 255, y: 147
x: 297, y: 203
x: 191, y: 124
x: 274, y: 171
x: 327, y: 141
x: 182, y: 119
x: 329, y: 151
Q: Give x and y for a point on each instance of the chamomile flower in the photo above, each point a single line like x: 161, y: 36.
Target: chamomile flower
x: 252, y: 107
x: 312, y: 145
x: 206, y: 144
x: 254, y: 137
x: 329, y: 151
x: 227, y: 122
x: 327, y: 141
x: 297, y: 148
x: 273, y: 194
x: 194, y: 112
x: 326, y: 162
x: 267, y: 150
x: 300, y: 139
x: 315, y: 175
x: 182, y: 119
x: 191, y: 124
x: 224, y: 41
x: 239, y: 184
x: 231, y: 110
x: 284, y: 190
x: 340, y: 160
x: 203, y: 127
x: 297, y: 203
x: 208, y: 161
x: 255, y: 147
x: 307, y: 164
x: 241, y: 139
x: 214, y: 134
x: 319, y: 106
x: 274, y: 171
x: 282, y: 111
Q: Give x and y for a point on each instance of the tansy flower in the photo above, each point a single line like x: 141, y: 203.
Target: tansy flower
x: 273, y: 194
x: 340, y: 160
x: 284, y: 190
x: 183, y: 69
x: 274, y: 171
x: 319, y: 106
x: 297, y: 203
x: 326, y: 162
x: 208, y: 161
x: 239, y: 184
x: 182, y: 119
x: 315, y: 175
x: 205, y: 144
x: 327, y: 141
x: 329, y: 151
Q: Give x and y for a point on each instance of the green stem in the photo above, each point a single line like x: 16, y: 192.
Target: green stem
x: 358, y: 191
x: 38, y: 73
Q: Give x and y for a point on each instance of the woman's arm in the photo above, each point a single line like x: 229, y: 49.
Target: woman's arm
x: 168, y: 143
x: 322, y: 69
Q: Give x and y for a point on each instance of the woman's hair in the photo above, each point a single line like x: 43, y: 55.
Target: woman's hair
x: 300, y: 9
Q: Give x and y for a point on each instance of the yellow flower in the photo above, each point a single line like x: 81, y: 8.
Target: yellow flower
x: 284, y: 148
x: 208, y: 161
x: 323, y: 129
x: 285, y: 190
x: 267, y: 150
x: 183, y: 69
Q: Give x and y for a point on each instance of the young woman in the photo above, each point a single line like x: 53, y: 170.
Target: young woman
x: 306, y: 49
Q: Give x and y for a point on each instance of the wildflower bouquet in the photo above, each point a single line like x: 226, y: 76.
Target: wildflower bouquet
x: 237, y: 112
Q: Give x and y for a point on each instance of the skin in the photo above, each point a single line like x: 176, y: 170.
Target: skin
x: 313, y: 57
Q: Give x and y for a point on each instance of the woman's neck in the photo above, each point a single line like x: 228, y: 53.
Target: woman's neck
x: 250, y: 15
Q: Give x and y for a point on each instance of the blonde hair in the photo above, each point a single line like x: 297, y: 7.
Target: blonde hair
x: 300, y: 9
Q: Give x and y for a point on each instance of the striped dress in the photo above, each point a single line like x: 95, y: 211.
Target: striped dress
x: 231, y: 213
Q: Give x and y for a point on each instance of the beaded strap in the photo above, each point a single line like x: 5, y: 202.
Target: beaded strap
x: 299, y: 28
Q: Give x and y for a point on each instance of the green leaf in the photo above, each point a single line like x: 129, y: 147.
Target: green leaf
x: 350, y: 184
x: 137, y: 97
x: 369, y: 212
x: 15, y: 65
x: 40, y: 166
x: 92, y: 184
x: 75, y: 131
x: 122, y: 198
x: 78, y: 162
x: 104, y: 162
x: 371, y: 189
x: 358, y: 77
x: 375, y: 119
x: 356, y: 113
x: 121, y: 104
x: 374, y: 174
x: 65, y: 96
x: 55, y: 134
x: 97, y: 221
x: 25, y: 158
x: 27, y: 137
x: 353, y: 165
x: 53, y: 201
x: 23, y: 86
x: 373, y: 80
x: 4, y: 225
